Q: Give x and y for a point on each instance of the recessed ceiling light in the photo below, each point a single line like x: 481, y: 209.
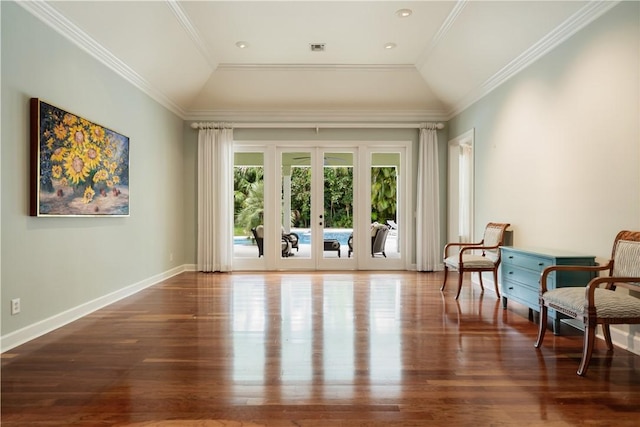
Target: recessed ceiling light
x: 242, y: 45
x: 389, y: 45
x: 404, y: 13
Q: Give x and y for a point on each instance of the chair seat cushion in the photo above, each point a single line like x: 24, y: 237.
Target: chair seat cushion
x: 470, y: 261
x: 609, y: 304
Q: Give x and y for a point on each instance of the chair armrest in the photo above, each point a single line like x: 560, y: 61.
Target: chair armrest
x: 552, y: 268
x: 590, y: 290
x: 474, y: 248
x: 449, y: 245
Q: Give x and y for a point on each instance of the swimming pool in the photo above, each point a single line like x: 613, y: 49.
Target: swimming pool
x: 341, y: 235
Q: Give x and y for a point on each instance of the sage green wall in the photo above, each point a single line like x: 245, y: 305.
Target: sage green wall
x: 557, y: 147
x: 287, y: 135
x: 56, y: 264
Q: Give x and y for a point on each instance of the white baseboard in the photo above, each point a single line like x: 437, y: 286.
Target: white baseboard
x: 35, y: 330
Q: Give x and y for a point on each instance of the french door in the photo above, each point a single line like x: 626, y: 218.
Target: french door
x: 322, y: 206
x: 317, y: 207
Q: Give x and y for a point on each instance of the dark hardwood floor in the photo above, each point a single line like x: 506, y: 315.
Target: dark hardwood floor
x: 313, y: 349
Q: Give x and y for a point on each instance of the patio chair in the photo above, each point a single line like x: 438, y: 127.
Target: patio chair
x: 468, y: 258
x: 258, y: 234
x: 379, y: 239
x: 286, y: 241
x: 293, y: 238
x: 596, y: 304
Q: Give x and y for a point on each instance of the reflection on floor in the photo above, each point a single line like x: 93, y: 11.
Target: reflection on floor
x: 312, y: 349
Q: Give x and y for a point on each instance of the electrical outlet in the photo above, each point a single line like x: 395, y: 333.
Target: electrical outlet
x: 15, y: 306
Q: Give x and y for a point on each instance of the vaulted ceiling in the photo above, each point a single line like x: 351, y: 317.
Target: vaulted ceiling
x: 445, y: 54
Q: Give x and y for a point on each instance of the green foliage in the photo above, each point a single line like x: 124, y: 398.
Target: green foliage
x: 338, y: 196
x: 301, y: 197
x: 384, y: 198
x: 248, y: 194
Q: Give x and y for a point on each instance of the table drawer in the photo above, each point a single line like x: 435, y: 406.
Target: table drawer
x: 534, y: 263
x: 525, y: 277
x: 523, y: 294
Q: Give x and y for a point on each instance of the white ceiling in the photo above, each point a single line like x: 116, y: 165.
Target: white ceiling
x: 448, y: 54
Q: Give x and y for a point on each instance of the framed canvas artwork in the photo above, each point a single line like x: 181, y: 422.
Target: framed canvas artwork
x: 78, y: 168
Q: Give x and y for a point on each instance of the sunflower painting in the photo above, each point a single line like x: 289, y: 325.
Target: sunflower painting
x: 79, y: 168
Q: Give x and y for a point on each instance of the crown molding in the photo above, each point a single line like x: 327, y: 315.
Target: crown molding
x: 54, y: 19
x: 583, y: 17
x: 442, y: 31
x: 191, y: 30
x: 317, y: 67
x: 293, y: 116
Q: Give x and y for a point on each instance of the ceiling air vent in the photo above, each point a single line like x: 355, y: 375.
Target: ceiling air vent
x: 317, y: 47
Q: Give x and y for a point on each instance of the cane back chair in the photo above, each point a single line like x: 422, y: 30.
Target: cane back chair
x: 599, y: 303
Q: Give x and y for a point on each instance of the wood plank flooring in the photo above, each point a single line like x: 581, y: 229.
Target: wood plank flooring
x: 313, y: 349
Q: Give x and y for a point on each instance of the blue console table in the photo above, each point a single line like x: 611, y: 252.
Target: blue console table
x: 521, y: 270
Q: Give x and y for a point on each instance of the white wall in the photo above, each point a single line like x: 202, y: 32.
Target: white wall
x: 61, y: 267
x: 558, y: 146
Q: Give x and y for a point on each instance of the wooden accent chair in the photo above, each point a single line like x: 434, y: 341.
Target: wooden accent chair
x: 594, y: 304
x: 469, y: 259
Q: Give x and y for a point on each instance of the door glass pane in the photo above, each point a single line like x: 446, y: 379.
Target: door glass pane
x: 385, y: 169
x: 338, y: 204
x: 248, y: 187
x: 296, y: 204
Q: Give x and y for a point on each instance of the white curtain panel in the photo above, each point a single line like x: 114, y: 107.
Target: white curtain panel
x: 428, y: 203
x: 215, y: 200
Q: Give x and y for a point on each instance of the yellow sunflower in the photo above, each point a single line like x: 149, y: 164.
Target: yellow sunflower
x: 76, y: 168
x: 101, y: 175
x: 50, y: 143
x: 58, y: 154
x: 93, y: 156
x: 77, y: 136
x: 60, y: 130
x: 109, y: 183
x: 116, y: 179
x: 70, y: 119
x: 64, y: 182
x: 97, y: 134
x: 88, y: 195
x: 56, y: 171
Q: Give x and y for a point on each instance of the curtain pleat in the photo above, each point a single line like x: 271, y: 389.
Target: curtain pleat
x: 428, y: 203
x: 215, y: 200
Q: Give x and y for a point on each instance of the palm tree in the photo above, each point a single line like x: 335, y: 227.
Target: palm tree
x: 252, y: 212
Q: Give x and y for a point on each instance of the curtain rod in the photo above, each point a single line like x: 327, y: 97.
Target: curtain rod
x: 317, y: 127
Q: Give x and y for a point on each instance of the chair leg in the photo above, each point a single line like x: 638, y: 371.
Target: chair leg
x: 542, y: 327
x: 480, y: 279
x: 460, y: 274
x: 587, y: 351
x: 495, y: 282
x: 607, y: 336
x: 444, y: 282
